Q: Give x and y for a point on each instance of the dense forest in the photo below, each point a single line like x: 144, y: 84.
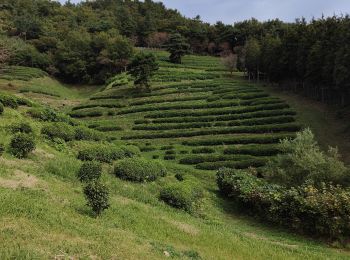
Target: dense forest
x: 91, y: 41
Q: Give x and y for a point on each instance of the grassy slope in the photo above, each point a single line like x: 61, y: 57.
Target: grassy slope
x: 43, y: 215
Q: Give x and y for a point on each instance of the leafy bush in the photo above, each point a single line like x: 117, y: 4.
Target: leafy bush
x: 48, y: 115
x: 89, y: 171
x: 97, y: 197
x: 59, y: 130
x: 139, y: 170
x: 256, y: 150
x: 179, y: 176
x: 289, y: 127
x: 1, y: 108
x: 203, y: 150
x: 21, y: 145
x: 242, y: 164
x: 9, y: 101
x: 184, y: 195
x: 21, y: 128
x: 323, y: 211
x: 169, y: 157
x: 302, y: 161
x: 107, y: 153
x: 84, y: 133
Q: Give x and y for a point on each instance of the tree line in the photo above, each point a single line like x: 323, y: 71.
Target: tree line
x: 92, y: 41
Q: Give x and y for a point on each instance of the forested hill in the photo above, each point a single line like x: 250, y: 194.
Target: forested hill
x: 91, y: 41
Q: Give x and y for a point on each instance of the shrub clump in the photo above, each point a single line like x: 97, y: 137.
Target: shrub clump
x: 1, y: 108
x: 21, y: 145
x: 89, y: 171
x: 322, y: 211
x: 59, y: 130
x: 139, y: 170
x: 302, y: 161
x: 84, y: 133
x: 97, y: 196
x: 107, y: 153
x: 184, y: 195
x: 21, y: 128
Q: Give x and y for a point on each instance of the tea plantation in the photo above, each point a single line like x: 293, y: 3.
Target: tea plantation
x: 96, y: 172
x: 194, y: 115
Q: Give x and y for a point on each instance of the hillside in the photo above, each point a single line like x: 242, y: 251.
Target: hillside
x: 195, y: 120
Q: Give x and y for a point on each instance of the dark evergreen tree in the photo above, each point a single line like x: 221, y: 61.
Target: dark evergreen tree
x: 177, y: 47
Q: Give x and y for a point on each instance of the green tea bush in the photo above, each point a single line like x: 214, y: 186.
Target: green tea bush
x: 59, y: 130
x: 217, y: 112
x: 21, y: 128
x: 21, y: 145
x: 1, y: 108
x: 105, y: 153
x: 318, y: 211
x: 243, y: 164
x: 184, y: 195
x: 139, y: 170
x: 288, y: 127
x: 200, y: 158
x: 87, y: 113
x: 245, y: 139
x: 219, y: 118
x: 179, y: 176
x: 97, y: 196
x: 169, y: 157
x: 203, y: 150
x: 48, y: 115
x: 256, y: 150
x: 8, y: 101
x: 89, y: 171
x: 84, y: 133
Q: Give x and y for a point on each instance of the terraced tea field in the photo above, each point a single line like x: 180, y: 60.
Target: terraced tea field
x: 195, y: 115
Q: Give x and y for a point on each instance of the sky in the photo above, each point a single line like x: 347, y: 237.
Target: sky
x: 230, y: 11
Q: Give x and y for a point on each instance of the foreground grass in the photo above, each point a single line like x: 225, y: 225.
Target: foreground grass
x: 43, y: 215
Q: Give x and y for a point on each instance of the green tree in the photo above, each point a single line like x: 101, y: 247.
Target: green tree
x: 177, y: 47
x: 97, y: 196
x: 142, y: 68
x: 252, y: 59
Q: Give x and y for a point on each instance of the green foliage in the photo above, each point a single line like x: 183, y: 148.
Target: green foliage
x: 139, y: 170
x: 2, y: 149
x: 23, y: 127
x: 203, y: 150
x: 142, y: 68
x: 59, y: 130
x: 21, y: 145
x: 106, y: 153
x: 118, y: 80
x: 184, y: 195
x: 84, y: 133
x: 302, y: 161
x: 177, y: 47
x: 1, y: 108
x: 89, y: 171
x: 322, y: 211
x: 97, y: 196
x: 48, y: 115
x: 8, y: 101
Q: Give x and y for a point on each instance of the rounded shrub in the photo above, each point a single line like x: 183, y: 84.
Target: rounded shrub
x: 97, y: 196
x: 89, y: 171
x: 169, y: 157
x: 179, y: 176
x: 21, y: 128
x: 59, y: 130
x: 184, y: 195
x: 85, y: 133
x: 21, y: 145
x: 139, y: 170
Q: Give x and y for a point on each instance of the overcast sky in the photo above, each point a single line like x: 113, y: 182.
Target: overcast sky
x: 230, y: 11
